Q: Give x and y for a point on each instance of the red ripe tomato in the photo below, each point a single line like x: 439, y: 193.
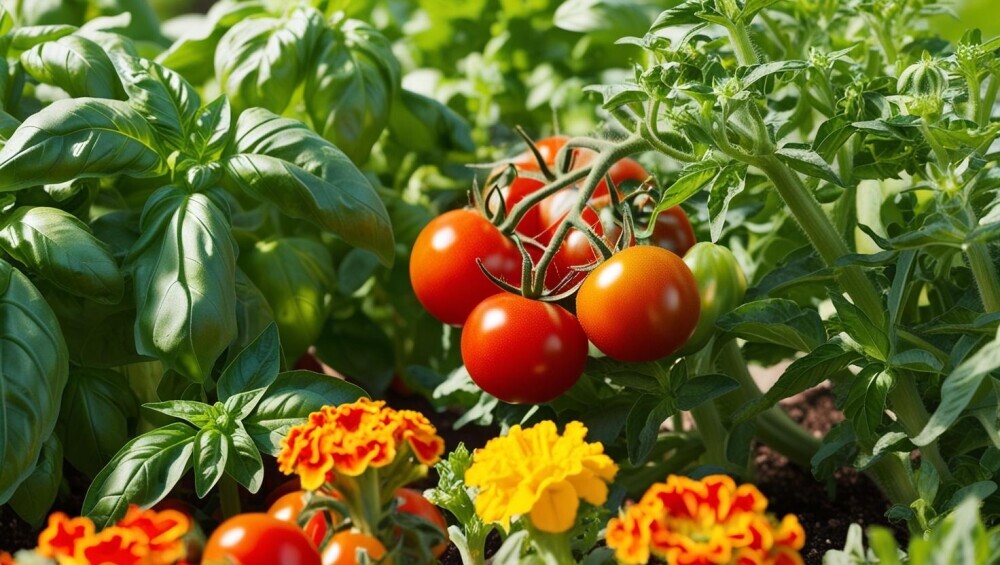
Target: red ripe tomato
x: 289, y: 507
x: 343, y: 548
x: 521, y: 350
x: 414, y: 503
x: 548, y: 147
x: 259, y: 539
x: 443, y: 269
x: 640, y: 305
x: 520, y: 188
x: 291, y: 485
x: 673, y: 232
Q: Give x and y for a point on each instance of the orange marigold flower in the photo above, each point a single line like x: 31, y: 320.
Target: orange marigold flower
x: 164, y: 530
x: 350, y: 438
x: 59, y: 539
x: 6, y: 558
x: 708, y: 522
x: 114, y: 546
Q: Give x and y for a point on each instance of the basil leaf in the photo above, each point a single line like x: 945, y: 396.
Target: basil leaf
x: 162, y: 96
x: 197, y: 413
x: 306, y: 177
x: 143, y: 472
x: 35, y: 496
x: 212, y: 129
x: 296, y: 276
x: 93, y: 421
x: 24, y: 38
x: 350, y: 90
x: 34, y: 365
x: 211, y: 454
x: 60, y: 248
x: 77, y: 65
x: 185, y: 279
x: 79, y: 138
x: 290, y: 400
x: 261, y: 61
x: 253, y: 314
x: 245, y: 380
x: 244, y: 463
x: 191, y: 55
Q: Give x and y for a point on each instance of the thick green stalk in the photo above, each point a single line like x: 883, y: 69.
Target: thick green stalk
x: 742, y: 45
x: 990, y: 98
x: 824, y: 237
x: 891, y: 473
x: 713, y: 433
x: 774, y: 427
x: 985, y: 273
x: 229, y: 496
x: 909, y: 408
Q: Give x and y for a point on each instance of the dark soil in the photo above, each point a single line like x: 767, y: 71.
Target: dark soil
x: 789, y: 488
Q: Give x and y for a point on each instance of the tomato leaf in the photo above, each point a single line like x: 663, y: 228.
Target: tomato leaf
x: 77, y: 65
x: 350, y: 90
x: 693, y: 178
x: 36, y: 494
x: 185, y: 282
x: 725, y: 187
x: 290, y: 400
x: 808, y: 162
x: 703, y: 388
x: 865, y: 404
x: 59, y: 247
x: 94, y: 419
x: 643, y: 425
x: 958, y: 389
x: 306, y: 177
x: 79, y: 138
x: 143, y: 472
x: 777, y: 321
x: 34, y: 365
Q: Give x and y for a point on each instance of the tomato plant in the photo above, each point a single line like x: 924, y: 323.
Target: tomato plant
x: 254, y: 539
x: 522, y: 350
x: 413, y: 502
x: 288, y: 508
x: 345, y: 547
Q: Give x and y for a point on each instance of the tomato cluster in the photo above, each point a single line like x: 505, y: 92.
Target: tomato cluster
x: 280, y: 537
x: 642, y: 304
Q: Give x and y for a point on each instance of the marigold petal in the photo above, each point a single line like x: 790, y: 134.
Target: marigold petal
x: 790, y: 533
x: 113, y: 546
x: 555, y: 510
x: 62, y: 535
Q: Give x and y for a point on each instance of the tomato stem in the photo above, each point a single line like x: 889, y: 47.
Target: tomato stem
x: 742, y: 45
x: 985, y: 273
x: 516, y: 214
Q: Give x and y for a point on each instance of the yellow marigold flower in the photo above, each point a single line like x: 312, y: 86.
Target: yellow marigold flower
x: 350, y: 438
x: 538, y: 473
x: 708, y: 522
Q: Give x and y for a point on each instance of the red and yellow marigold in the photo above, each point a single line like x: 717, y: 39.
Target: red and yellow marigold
x: 350, y: 438
x: 149, y: 537
x: 708, y: 522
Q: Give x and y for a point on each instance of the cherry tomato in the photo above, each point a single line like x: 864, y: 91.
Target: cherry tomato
x: 521, y: 350
x: 443, y: 269
x: 673, y: 231
x: 414, y: 503
x: 343, y: 548
x: 721, y: 284
x: 289, y: 507
x: 291, y: 485
x: 548, y: 147
x: 640, y: 305
x: 259, y: 539
x: 519, y: 189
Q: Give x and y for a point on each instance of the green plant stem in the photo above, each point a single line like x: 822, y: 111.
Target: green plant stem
x: 893, y: 476
x: 229, y: 496
x: 742, y: 45
x: 553, y: 548
x: 986, y: 106
x: 906, y: 403
x: 824, y: 237
x: 975, y: 91
x: 713, y: 433
x: 985, y: 273
x: 774, y: 427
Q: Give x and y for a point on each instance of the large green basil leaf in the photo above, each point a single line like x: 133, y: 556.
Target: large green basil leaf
x: 94, y: 420
x: 191, y: 55
x: 210, y: 455
x: 33, y: 371
x: 97, y: 335
x: 60, y: 248
x: 82, y: 137
x: 212, y: 129
x: 244, y: 380
x: 185, y: 283
x: 425, y: 125
x: 359, y: 349
x: 321, y: 185
x: 349, y: 91
x: 34, y: 497
x: 290, y: 400
x: 142, y: 473
x: 245, y: 464
x: 77, y: 65
x: 253, y: 314
x: 48, y: 12
x: 162, y: 96
x: 25, y: 38
x: 260, y: 62
x: 297, y: 278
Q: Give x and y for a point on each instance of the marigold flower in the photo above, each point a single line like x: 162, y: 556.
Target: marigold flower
x: 708, y: 522
x: 538, y: 473
x: 350, y: 438
x: 59, y: 539
x: 6, y: 558
x: 164, y: 530
x: 114, y: 545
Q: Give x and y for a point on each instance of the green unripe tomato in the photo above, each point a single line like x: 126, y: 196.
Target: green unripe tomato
x: 721, y: 285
